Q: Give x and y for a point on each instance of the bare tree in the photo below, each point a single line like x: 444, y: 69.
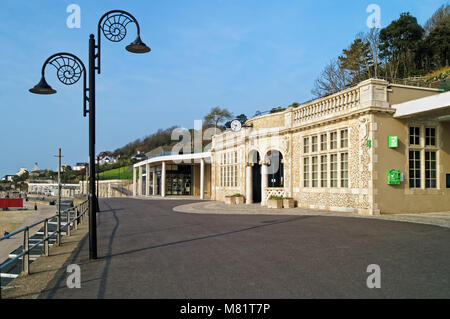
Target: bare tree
x: 333, y: 78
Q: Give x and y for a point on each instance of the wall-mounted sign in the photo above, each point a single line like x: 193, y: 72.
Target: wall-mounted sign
x: 393, y: 141
x: 394, y: 177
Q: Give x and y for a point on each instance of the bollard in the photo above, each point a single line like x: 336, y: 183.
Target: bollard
x: 46, y: 250
x: 76, y: 219
x: 68, y: 222
x: 26, y: 257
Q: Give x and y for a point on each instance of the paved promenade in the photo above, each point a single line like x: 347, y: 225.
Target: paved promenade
x: 215, y: 207
x: 147, y: 250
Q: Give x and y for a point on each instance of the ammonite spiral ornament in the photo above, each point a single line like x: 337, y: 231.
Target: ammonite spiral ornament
x: 68, y: 69
x: 114, y: 27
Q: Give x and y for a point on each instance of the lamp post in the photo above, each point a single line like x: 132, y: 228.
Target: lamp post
x: 113, y: 25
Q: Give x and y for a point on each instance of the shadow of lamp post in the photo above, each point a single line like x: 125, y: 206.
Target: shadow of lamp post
x: 70, y: 69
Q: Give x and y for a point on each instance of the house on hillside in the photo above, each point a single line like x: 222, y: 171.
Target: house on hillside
x: 139, y: 156
x: 106, y: 160
x: 22, y: 171
x: 79, y: 166
x: 7, y: 178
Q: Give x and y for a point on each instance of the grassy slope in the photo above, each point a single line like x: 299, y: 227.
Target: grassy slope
x: 118, y: 173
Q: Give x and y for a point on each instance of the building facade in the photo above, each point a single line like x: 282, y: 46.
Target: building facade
x: 333, y: 153
x: 373, y: 148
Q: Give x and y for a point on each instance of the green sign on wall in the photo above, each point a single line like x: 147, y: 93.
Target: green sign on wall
x: 393, y: 141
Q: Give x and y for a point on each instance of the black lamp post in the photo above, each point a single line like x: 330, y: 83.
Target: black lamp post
x: 113, y: 24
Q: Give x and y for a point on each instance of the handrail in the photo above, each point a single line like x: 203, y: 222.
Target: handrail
x: 81, y: 209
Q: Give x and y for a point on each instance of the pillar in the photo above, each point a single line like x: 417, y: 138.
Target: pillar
x: 202, y: 177
x: 264, y: 184
x: 163, y: 179
x: 147, y: 179
x: 249, y: 184
x: 134, y: 181
x: 154, y: 181
x: 140, y: 181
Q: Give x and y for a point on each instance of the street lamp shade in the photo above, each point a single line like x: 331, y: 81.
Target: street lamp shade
x: 138, y: 46
x: 42, y: 88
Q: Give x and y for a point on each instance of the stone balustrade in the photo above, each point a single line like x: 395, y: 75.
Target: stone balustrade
x: 345, y: 100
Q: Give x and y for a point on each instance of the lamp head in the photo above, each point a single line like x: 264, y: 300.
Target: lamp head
x: 42, y: 88
x: 137, y: 46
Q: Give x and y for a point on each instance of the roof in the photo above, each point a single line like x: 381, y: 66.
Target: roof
x: 436, y: 107
x: 174, y: 158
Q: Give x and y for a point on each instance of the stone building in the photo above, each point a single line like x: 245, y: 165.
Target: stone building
x: 373, y: 148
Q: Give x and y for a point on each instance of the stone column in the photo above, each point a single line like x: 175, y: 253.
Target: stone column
x: 264, y: 184
x: 134, y: 181
x: 147, y: 179
x: 249, y: 184
x: 140, y: 182
x: 202, y: 177
x: 154, y: 180
x: 163, y: 179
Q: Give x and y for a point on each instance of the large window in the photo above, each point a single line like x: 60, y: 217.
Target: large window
x: 326, y: 169
x: 228, y: 169
x: 422, y: 159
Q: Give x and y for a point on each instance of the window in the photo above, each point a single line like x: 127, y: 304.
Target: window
x: 333, y: 170
x: 447, y: 180
x: 323, y: 171
x: 323, y: 142
x: 228, y: 169
x: 430, y: 136
x: 314, y: 144
x: 306, y: 145
x: 314, y: 172
x: 430, y: 169
x: 414, y: 169
x: 344, y: 138
x: 306, y: 172
x: 317, y: 170
x: 344, y: 169
x: 414, y: 135
x: 333, y: 140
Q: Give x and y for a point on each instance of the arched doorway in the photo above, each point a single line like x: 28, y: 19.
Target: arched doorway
x: 275, y: 169
x: 255, y: 159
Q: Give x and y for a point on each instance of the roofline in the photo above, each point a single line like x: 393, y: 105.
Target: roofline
x: 176, y: 157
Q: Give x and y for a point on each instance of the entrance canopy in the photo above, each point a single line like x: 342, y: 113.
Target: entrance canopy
x: 435, y: 107
x: 176, y: 158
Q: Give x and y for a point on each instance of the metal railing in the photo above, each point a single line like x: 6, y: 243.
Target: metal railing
x: 78, y: 212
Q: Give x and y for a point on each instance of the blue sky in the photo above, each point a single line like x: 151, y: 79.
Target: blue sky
x: 245, y: 55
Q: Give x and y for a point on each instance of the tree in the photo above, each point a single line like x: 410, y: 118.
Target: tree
x: 217, y: 115
x: 438, y: 43
x: 399, y: 42
x: 442, y: 13
x: 357, y: 60
x: 333, y: 78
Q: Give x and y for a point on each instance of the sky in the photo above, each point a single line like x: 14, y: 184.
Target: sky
x: 243, y: 55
